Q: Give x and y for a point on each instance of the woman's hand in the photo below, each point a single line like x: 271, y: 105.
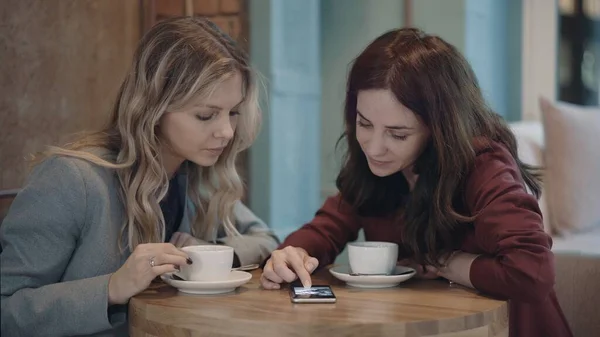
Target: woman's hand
x: 423, y: 272
x: 181, y: 239
x: 287, y: 265
x: 143, y: 265
x: 456, y: 268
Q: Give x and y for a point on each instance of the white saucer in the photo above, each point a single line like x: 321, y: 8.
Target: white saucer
x: 236, y: 279
x: 372, y: 281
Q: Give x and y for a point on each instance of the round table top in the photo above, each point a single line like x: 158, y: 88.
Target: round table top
x: 414, y: 308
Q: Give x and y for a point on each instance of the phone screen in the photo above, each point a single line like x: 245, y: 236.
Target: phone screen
x: 313, y: 294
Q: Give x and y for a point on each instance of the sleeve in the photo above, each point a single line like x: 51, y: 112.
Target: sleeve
x: 517, y: 263
x: 257, y: 240
x: 38, y: 237
x: 334, y: 225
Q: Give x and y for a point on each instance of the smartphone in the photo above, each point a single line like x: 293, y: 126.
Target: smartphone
x: 314, y: 294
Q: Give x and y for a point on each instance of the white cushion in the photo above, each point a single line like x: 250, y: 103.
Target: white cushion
x: 587, y: 244
x: 572, y: 156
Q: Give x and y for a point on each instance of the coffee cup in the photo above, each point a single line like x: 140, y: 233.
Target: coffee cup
x: 209, y: 263
x: 372, y: 257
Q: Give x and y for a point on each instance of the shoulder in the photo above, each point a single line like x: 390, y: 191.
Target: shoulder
x: 490, y: 158
x: 484, y: 146
x: 66, y: 172
x: 495, y: 174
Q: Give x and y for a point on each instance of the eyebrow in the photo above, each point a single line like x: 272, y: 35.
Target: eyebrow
x: 392, y: 127
x: 212, y: 106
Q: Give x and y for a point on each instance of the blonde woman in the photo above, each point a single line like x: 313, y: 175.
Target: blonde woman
x: 99, y: 219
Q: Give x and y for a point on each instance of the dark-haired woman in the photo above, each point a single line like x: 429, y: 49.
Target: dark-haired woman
x: 431, y: 167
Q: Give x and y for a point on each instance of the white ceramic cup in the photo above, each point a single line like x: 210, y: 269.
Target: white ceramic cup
x: 209, y: 263
x: 372, y: 257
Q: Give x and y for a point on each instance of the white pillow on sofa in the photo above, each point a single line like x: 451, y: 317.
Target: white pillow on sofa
x: 572, y: 158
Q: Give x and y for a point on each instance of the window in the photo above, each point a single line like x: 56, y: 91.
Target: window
x: 579, y: 51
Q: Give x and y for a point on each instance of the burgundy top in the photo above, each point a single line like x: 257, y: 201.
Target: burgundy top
x: 515, y: 262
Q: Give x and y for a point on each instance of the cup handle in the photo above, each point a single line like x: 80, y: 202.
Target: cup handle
x: 178, y: 275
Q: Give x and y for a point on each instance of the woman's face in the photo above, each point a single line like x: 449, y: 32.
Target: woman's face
x: 201, y: 133
x: 391, y: 136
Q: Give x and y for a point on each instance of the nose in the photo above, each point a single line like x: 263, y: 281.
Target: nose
x: 224, y: 129
x: 375, y: 146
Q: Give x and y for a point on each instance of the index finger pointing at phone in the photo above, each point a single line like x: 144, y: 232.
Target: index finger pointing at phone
x: 297, y: 262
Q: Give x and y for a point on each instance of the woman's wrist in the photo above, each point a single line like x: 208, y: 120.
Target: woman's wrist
x: 111, y: 292
x: 457, y: 268
x: 113, y: 296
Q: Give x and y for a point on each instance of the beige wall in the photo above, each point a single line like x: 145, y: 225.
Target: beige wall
x: 61, y: 63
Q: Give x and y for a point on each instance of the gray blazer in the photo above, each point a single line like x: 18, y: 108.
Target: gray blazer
x: 60, y: 245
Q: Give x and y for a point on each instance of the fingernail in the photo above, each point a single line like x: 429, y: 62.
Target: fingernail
x: 309, y: 266
x: 307, y: 285
x: 189, y: 261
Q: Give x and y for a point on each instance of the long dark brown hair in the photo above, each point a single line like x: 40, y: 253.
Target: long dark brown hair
x: 431, y: 78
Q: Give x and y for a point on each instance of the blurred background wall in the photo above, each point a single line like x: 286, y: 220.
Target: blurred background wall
x: 60, y: 62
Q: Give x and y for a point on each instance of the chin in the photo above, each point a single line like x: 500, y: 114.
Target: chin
x: 204, y: 161
x: 382, y: 172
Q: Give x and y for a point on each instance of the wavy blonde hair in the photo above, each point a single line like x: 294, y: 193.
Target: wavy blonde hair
x: 178, y: 62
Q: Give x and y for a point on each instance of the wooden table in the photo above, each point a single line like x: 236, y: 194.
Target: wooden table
x: 414, y: 308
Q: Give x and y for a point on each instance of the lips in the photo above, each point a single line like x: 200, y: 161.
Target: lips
x: 378, y: 162
x: 217, y: 150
